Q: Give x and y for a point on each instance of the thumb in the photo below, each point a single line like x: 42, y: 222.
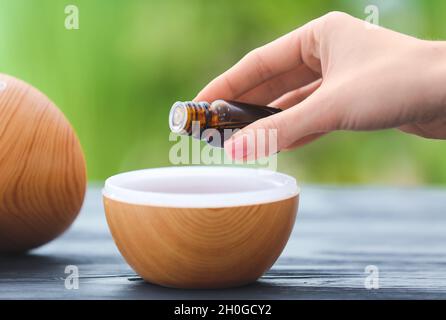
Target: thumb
x: 274, y: 133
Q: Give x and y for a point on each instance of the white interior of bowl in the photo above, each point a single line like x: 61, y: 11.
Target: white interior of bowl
x: 200, y: 187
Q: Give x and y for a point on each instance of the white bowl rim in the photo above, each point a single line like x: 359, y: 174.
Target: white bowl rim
x: 285, y: 187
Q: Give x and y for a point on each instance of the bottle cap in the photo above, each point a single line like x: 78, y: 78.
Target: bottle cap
x: 178, y: 117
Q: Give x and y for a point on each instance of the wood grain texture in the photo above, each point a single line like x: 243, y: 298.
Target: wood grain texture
x: 201, y: 248
x: 42, y: 168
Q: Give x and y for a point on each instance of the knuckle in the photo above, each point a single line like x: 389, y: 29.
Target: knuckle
x: 229, y: 86
x: 255, y: 57
x: 335, y: 16
x: 251, y: 55
x: 334, y: 19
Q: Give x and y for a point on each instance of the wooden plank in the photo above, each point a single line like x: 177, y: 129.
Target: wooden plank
x: 339, y: 231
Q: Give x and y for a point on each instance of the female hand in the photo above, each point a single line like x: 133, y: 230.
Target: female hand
x: 338, y: 73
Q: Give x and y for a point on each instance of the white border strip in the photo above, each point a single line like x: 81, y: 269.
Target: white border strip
x: 284, y: 187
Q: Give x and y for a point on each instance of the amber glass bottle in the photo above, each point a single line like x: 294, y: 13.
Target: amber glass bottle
x: 218, y: 115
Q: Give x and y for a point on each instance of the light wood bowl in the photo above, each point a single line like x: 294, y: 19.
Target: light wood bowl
x: 201, y: 227
x: 42, y: 168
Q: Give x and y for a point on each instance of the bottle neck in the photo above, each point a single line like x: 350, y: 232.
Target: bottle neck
x: 183, y: 115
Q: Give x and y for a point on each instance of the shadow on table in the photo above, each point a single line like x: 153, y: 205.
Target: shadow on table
x: 29, y: 265
x: 262, y: 290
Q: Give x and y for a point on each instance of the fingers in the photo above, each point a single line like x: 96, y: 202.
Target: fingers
x: 277, y: 132
x: 261, y: 65
x: 431, y: 130
x: 274, y: 88
x: 296, y: 96
x: 304, y: 141
x: 411, y: 129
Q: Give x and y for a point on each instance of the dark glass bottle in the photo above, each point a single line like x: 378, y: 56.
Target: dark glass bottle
x: 218, y: 115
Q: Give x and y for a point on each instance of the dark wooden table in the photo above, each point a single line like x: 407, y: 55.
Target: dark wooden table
x: 338, y: 233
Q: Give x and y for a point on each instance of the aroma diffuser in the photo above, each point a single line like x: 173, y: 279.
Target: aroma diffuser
x: 42, y: 168
x: 201, y: 227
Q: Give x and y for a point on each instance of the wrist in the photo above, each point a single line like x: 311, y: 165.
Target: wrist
x: 439, y: 54
x: 433, y: 74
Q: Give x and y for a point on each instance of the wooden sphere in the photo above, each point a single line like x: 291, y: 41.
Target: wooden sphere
x: 42, y: 168
x: 201, y: 247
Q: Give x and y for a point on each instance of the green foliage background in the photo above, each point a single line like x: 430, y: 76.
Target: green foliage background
x: 116, y: 77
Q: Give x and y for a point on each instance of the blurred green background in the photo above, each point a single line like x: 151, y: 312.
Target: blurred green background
x: 116, y: 77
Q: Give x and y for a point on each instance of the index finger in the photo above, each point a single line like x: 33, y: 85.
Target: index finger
x: 260, y: 65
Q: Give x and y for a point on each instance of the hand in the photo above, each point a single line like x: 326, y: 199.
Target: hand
x: 338, y: 73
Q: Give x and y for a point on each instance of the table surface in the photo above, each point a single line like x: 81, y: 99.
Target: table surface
x: 339, y: 231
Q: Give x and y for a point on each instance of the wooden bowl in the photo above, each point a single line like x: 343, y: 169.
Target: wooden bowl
x: 201, y: 227
x: 42, y: 168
